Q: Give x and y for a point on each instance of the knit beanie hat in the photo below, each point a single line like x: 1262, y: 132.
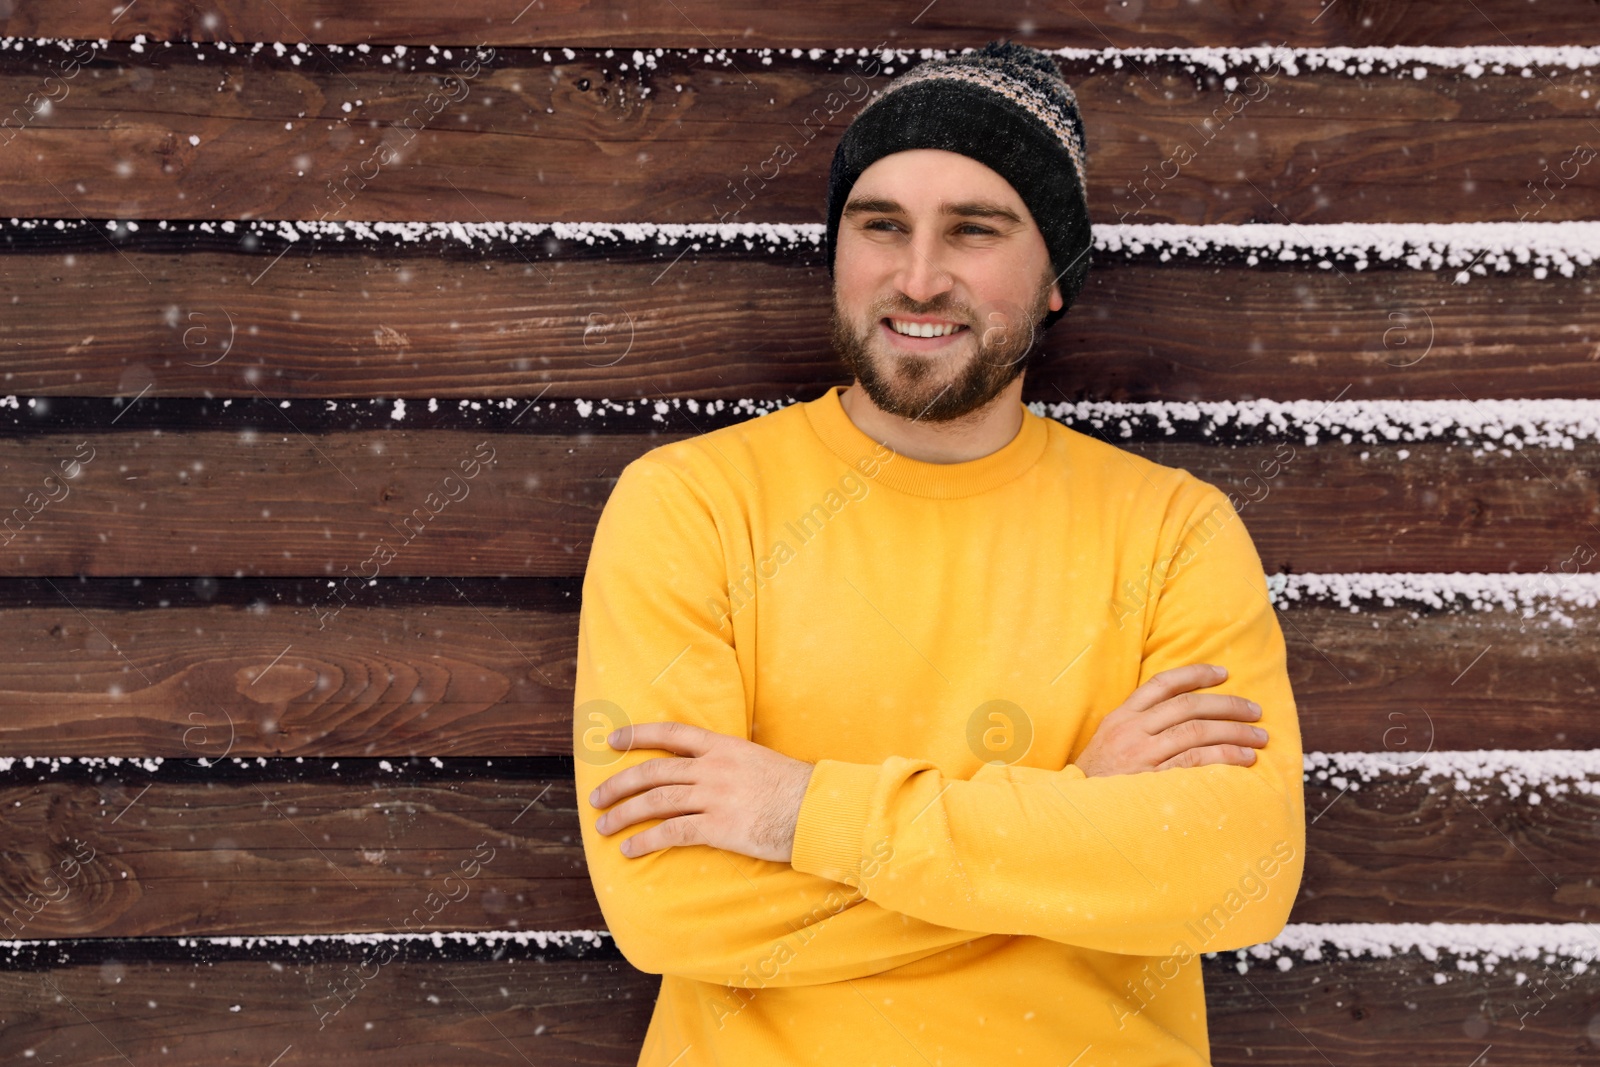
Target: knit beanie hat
x: 1005, y: 105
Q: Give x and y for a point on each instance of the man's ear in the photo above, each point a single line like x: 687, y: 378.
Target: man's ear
x: 1056, y: 300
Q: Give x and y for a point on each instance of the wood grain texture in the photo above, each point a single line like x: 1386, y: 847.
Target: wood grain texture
x: 289, y: 504
x: 454, y: 503
x: 196, y: 683
x: 510, y: 1012
x: 1373, y: 1011
x: 231, y: 850
x: 518, y: 1011
x: 346, y: 843
x: 745, y: 24
x: 751, y: 142
x: 227, y: 854
x: 1409, y: 851
x: 182, y: 317
x: 478, y: 679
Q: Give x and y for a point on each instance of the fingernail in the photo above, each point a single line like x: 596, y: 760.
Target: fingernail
x: 611, y: 738
x: 1258, y: 733
x: 594, y: 798
x: 1253, y: 706
x: 1215, y: 669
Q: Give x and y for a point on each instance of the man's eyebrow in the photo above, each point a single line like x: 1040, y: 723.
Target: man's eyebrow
x: 967, y: 209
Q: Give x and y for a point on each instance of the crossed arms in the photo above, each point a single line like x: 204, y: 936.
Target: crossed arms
x: 839, y: 870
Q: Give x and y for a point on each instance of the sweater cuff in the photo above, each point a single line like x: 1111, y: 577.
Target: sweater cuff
x: 833, y: 820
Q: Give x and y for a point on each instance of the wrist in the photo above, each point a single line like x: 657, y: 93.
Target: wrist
x: 833, y: 820
x: 799, y: 782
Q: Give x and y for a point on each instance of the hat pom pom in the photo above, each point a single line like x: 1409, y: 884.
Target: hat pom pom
x: 1020, y: 54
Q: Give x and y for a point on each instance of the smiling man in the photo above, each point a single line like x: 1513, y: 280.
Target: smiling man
x: 940, y: 364
x: 911, y: 726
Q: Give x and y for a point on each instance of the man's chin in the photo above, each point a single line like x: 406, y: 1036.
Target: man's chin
x: 920, y: 397
x: 911, y: 384
x: 918, y: 372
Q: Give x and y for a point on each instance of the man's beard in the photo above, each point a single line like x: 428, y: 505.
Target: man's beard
x: 920, y: 386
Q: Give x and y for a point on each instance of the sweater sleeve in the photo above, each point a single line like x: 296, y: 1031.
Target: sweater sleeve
x: 653, y: 646
x: 1132, y: 863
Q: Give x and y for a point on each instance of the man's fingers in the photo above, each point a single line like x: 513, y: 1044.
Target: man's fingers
x: 1174, y: 725
x: 663, y: 770
x: 1187, y: 709
x: 662, y: 802
x: 684, y: 738
x: 1199, y: 757
x: 1169, y: 683
x: 1197, y: 735
x: 674, y: 832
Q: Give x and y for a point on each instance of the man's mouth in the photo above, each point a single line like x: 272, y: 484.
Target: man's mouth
x: 908, y: 328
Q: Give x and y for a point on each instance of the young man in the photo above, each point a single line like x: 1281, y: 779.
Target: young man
x: 909, y: 698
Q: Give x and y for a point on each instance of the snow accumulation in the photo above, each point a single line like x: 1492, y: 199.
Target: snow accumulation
x: 1483, y: 424
x: 1454, y: 591
x: 1542, y: 773
x: 1474, y: 947
x: 539, y: 939
x: 524, y: 938
x: 1513, y: 424
x: 1400, y: 61
x: 1471, y: 944
x: 1474, y: 247
x: 1513, y: 771
x: 1468, y: 247
x: 54, y: 764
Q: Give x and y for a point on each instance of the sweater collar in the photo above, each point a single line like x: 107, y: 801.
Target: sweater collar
x: 850, y: 443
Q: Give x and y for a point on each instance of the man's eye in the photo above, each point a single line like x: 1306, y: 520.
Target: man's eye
x: 969, y: 228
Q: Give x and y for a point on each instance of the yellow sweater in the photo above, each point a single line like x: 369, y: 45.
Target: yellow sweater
x: 941, y: 640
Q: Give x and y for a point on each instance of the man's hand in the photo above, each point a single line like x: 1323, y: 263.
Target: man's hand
x: 730, y: 793
x: 1163, y: 725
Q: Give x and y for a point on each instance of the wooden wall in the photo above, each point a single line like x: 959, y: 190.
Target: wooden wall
x: 262, y: 305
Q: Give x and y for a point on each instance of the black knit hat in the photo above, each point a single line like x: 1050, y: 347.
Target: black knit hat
x: 1005, y: 105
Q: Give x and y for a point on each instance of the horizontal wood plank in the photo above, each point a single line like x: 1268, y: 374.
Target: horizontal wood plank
x: 696, y: 23
x: 508, y: 1012
x: 457, y: 675
x: 515, y: 1011
x: 237, y: 856
x: 465, y: 680
x: 233, y: 849
x: 446, y: 503
x: 347, y: 505
x: 152, y: 318
x: 686, y: 140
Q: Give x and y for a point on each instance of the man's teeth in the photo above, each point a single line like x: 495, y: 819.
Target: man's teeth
x: 923, y: 329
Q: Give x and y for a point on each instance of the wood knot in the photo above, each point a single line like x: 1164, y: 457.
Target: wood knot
x: 274, y: 683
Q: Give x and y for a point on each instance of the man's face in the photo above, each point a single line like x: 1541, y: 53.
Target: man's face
x: 929, y: 237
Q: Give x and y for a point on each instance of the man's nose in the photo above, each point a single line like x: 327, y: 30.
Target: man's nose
x: 923, y: 272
